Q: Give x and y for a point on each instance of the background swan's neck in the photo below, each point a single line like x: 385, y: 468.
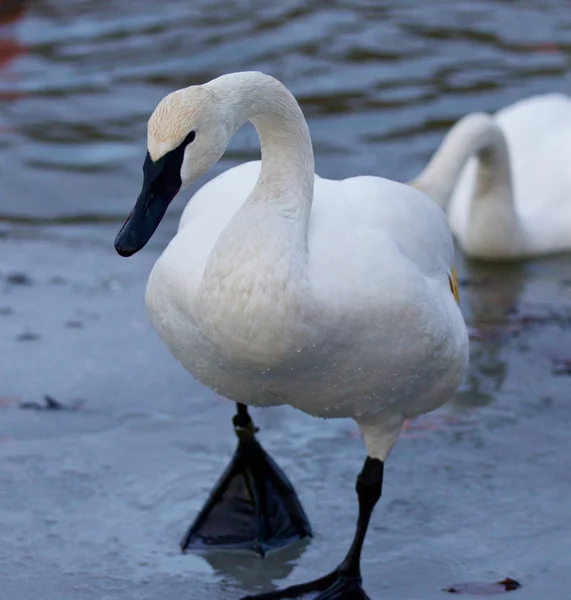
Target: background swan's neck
x: 475, y: 134
x: 287, y: 174
x: 492, y: 229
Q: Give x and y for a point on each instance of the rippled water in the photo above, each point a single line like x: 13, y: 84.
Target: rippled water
x: 92, y: 502
x: 378, y: 81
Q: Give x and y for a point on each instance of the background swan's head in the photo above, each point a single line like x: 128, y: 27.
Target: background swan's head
x: 187, y: 133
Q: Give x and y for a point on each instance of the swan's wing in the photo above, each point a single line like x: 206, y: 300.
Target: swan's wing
x: 366, y: 234
x: 348, y: 216
x: 369, y: 236
x: 380, y: 258
x: 537, y: 115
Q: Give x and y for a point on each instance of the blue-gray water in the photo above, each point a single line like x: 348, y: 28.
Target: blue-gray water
x: 93, y: 501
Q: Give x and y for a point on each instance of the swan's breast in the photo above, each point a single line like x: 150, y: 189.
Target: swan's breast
x: 256, y: 306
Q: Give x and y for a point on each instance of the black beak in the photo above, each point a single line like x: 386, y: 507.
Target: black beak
x: 161, y: 183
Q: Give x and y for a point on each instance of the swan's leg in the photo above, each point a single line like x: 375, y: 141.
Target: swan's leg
x: 344, y: 583
x: 253, y: 506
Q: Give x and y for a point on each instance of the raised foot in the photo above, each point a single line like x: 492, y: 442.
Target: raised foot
x: 253, y: 506
x: 334, y: 586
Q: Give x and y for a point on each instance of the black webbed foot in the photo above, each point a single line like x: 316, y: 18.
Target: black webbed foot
x: 253, y: 506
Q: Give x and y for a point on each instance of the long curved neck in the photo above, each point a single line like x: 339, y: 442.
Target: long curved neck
x: 287, y: 174
x: 255, y: 285
x: 493, y: 229
x: 475, y: 134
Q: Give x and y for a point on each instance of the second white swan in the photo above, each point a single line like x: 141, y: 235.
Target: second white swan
x: 505, y: 180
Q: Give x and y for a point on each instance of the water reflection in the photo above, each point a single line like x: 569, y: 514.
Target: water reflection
x: 502, y: 305
x: 490, y: 298
x: 246, y: 571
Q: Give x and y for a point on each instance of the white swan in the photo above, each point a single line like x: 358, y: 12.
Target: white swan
x: 336, y: 297
x: 512, y: 200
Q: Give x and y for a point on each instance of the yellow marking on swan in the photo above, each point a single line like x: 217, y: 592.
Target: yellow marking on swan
x: 454, y: 288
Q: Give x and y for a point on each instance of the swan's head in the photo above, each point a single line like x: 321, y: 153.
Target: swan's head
x: 187, y: 134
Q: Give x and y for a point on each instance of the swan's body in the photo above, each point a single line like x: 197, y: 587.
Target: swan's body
x: 340, y: 307
x: 505, y: 180
x: 280, y: 287
x: 361, y: 325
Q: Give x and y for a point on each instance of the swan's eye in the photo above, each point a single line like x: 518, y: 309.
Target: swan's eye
x: 189, y: 138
